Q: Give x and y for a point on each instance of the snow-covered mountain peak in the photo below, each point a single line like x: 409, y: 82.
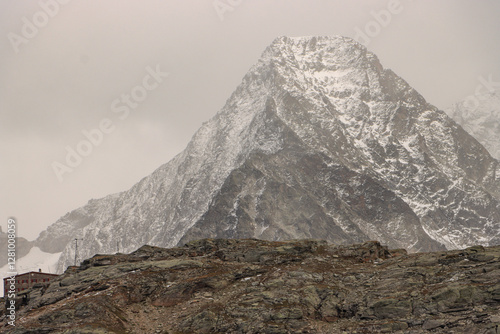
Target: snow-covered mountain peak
x: 306, y: 62
x: 338, y: 68
x: 318, y: 141
x: 324, y: 49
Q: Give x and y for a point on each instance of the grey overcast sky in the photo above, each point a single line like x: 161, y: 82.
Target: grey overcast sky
x: 64, y: 63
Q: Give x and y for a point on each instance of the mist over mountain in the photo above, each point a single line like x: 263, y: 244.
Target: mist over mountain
x: 480, y: 116
x: 318, y: 141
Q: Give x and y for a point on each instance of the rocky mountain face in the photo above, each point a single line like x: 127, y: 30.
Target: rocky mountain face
x: 257, y: 286
x: 318, y: 141
x: 480, y: 116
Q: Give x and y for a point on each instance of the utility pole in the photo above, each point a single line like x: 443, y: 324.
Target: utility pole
x: 118, y: 247
x: 76, y: 249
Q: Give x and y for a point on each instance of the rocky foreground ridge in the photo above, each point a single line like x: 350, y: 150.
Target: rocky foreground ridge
x: 255, y: 286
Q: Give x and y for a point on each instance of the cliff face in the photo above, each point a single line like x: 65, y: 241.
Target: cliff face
x: 254, y: 286
x: 318, y: 141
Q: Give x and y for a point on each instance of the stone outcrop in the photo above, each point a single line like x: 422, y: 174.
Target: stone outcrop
x: 255, y: 286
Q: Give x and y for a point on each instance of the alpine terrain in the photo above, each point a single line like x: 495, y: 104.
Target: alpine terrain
x: 318, y: 141
x: 249, y: 286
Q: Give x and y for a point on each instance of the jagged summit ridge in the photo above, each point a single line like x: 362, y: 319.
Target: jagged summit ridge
x: 318, y: 141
